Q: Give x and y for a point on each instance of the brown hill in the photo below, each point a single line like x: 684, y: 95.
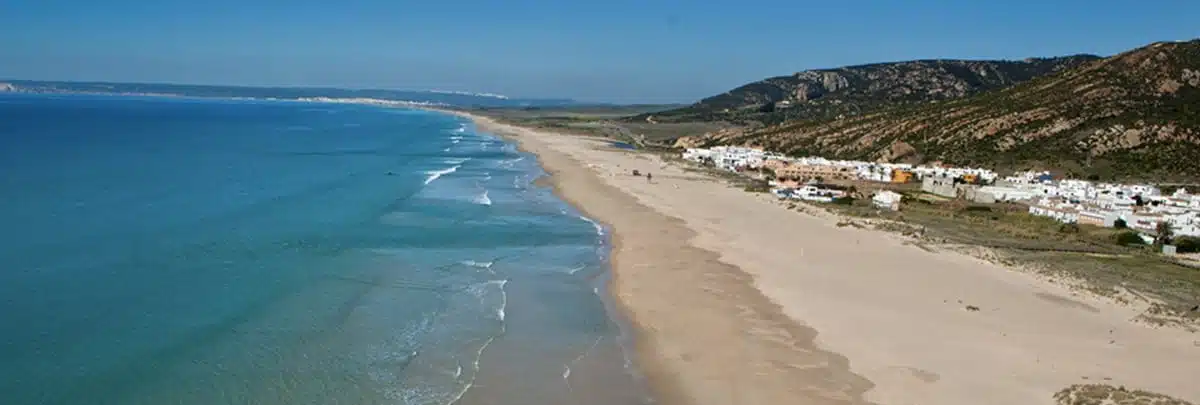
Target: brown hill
x: 1132, y: 115
x: 852, y: 90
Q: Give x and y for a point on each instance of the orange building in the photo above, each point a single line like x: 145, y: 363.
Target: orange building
x: 901, y: 176
x: 806, y: 172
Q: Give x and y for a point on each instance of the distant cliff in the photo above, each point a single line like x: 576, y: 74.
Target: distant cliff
x: 454, y: 98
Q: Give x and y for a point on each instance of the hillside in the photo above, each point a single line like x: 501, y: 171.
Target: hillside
x: 1132, y: 115
x: 852, y: 90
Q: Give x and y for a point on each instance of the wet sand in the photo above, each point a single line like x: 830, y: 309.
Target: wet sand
x: 727, y: 292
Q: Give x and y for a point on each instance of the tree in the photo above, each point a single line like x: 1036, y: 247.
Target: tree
x: 1163, y: 233
x: 1068, y: 228
x: 1120, y: 224
x: 1128, y: 238
x: 767, y: 173
x: 1187, y: 244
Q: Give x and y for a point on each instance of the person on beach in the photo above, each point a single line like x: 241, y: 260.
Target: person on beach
x: 649, y: 177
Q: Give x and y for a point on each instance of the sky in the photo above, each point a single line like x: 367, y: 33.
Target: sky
x: 623, y: 51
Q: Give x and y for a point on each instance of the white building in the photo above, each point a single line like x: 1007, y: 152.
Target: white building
x: 1008, y: 194
x: 887, y: 199
x: 1059, y: 210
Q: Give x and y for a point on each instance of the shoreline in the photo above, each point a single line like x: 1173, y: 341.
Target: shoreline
x: 726, y: 292
x: 573, y: 182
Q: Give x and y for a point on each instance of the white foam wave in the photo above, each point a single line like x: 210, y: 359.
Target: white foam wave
x: 566, y: 375
x: 434, y: 175
x: 599, y: 229
x: 483, y: 199
x: 474, y: 372
x: 480, y: 265
x: 446, y: 150
x: 500, y: 314
x: 455, y: 140
x: 503, y: 300
x: 510, y: 162
x: 577, y: 269
x: 455, y: 161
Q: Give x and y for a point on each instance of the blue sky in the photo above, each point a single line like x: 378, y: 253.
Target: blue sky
x: 612, y: 50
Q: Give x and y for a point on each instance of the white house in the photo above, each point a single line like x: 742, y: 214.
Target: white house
x: 1001, y: 193
x: 887, y: 199
x: 1061, y: 211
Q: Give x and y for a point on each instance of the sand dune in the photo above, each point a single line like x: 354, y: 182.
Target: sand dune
x: 740, y: 301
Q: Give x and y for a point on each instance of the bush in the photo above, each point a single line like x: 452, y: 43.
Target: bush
x: 1129, y: 238
x: 1187, y: 244
x: 1120, y: 224
x: 758, y: 187
x: 844, y: 201
x: 977, y: 208
x: 1069, y: 228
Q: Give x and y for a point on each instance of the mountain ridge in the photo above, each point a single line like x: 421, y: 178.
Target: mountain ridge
x: 858, y: 89
x: 1132, y: 115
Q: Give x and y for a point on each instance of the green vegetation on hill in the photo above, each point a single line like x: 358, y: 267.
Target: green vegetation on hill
x: 1132, y: 115
x: 855, y: 90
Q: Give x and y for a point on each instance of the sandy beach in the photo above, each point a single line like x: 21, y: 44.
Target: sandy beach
x: 737, y: 300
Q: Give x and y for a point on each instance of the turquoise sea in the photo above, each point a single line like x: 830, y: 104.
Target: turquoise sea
x: 199, y: 251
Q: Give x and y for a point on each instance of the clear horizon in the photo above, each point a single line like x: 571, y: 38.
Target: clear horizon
x: 620, y: 51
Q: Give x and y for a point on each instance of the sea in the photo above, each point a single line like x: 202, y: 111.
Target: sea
x: 206, y: 251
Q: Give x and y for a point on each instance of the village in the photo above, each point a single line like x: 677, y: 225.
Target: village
x: 1142, y: 208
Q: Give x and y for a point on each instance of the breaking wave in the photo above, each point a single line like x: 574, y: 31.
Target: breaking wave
x: 434, y: 175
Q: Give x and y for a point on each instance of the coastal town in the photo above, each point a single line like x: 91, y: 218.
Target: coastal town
x: 1143, y: 208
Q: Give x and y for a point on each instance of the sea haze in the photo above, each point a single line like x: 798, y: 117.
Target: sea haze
x: 191, y: 251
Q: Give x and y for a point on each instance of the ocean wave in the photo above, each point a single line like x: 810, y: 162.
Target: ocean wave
x: 485, y: 300
x: 481, y: 265
x: 500, y: 314
x: 599, y: 228
x: 434, y: 175
x: 482, y: 199
x: 566, y: 375
x: 455, y: 161
x: 510, y: 162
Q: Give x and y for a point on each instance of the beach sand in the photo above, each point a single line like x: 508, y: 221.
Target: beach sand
x: 737, y: 300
